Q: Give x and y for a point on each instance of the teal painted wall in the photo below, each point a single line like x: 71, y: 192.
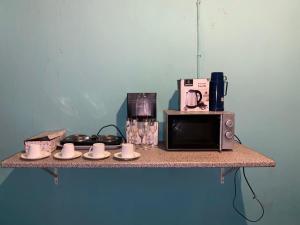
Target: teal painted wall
x: 69, y: 64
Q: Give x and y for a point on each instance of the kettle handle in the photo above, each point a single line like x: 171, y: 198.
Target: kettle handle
x: 198, y: 93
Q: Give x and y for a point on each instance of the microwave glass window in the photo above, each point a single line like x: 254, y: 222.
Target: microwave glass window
x: 194, y: 132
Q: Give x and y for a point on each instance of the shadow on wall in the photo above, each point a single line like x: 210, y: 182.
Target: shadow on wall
x: 120, y: 121
x: 119, y: 196
x: 174, y: 100
x: 122, y: 116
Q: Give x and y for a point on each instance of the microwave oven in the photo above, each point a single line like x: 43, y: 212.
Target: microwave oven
x: 199, y: 130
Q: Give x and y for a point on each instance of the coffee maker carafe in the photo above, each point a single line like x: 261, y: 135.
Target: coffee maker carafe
x: 142, y: 106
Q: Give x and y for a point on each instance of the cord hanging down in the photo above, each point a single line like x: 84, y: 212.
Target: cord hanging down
x: 254, y: 197
x: 252, y: 191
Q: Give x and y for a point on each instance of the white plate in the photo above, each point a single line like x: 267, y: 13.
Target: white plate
x: 119, y: 156
x: 59, y: 156
x: 42, y: 156
x: 89, y: 155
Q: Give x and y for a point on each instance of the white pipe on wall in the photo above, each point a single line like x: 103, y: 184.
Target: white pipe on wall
x: 198, y: 38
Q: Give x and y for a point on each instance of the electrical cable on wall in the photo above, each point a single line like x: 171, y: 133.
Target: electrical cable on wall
x: 112, y: 125
x: 198, y: 38
x: 251, y: 189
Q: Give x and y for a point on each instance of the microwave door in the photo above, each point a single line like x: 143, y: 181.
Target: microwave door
x: 194, y: 132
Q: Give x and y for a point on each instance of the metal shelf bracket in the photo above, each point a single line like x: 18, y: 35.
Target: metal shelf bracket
x: 53, y: 173
x: 226, y: 171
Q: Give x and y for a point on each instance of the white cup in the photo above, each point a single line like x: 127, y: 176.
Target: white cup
x: 127, y: 150
x: 34, y: 151
x: 68, y: 150
x: 97, y: 149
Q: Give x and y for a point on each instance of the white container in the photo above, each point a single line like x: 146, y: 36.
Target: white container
x: 48, y: 140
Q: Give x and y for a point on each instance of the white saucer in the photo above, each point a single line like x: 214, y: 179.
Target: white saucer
x: 119, y: 156
x: 42, y: 156
x: 59, y: 156
x: 89, y: 155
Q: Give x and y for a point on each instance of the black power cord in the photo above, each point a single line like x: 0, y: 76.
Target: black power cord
x: 112, y: 125
x: 251, y: 189
x: 237, y: 139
